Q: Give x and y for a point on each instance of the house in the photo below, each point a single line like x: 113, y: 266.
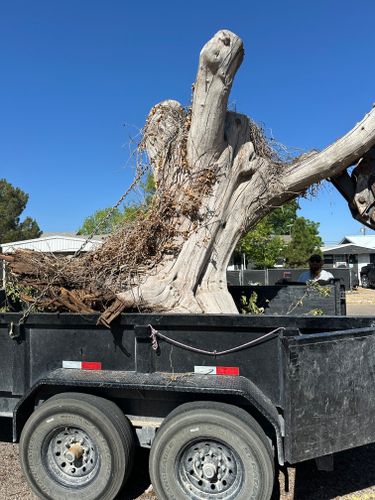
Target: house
x: 352, y: 251
x: 56, y: 243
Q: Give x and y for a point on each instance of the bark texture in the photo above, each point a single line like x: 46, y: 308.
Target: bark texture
x: 216, y: 178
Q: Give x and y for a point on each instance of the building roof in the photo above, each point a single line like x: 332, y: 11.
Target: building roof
x: 347, y: 249
x: 74, y: 235
x: 54, y: 243
x: 360, y: 240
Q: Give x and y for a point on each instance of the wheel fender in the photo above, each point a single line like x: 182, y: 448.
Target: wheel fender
x: 61, y: 380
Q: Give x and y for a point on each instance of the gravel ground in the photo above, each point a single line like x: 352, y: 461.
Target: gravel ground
x: 360, y: 302
x: 361, y: 296
x: 352, y: 479
x: 13, y: 485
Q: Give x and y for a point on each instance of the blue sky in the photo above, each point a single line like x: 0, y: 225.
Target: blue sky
x: 78, y: 78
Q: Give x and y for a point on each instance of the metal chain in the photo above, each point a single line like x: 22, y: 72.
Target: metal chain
x: 111, y: 211
x: 155, y: 346
x: 32, y: 306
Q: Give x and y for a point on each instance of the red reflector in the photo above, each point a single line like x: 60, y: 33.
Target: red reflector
x: 91, y: 365
x: 227, y: 370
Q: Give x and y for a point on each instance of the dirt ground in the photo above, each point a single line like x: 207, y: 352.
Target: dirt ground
x: 361, y: 296
x: 352, y: 479
x: 360, y: 302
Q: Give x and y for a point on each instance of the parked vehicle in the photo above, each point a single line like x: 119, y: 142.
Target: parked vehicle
x: 221, y: 400
x: 368, y: 276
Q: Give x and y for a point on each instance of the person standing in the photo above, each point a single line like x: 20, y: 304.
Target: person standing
x: 316, y: 271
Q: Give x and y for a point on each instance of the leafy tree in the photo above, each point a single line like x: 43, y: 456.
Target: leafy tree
x: 101, y: 221
x: 283, y: 218
x: 305, y: 241
x: 12, y: 203
x: 264, y: 247
x: 261, y: 246
x: 106, y: 220
x: 148, y: 188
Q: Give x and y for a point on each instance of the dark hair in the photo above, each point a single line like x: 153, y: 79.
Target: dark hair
x: 316, y: 258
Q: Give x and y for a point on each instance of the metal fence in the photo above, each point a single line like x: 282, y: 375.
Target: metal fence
x: 347, y: 277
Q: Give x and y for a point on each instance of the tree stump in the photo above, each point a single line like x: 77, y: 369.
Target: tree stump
x: 216, y: 177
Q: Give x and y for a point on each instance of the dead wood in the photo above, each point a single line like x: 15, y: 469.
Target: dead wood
x: 216, y: 177
x: 112, y: 312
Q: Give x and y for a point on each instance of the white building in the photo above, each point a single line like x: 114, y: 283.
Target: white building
x: 57, y: 243
x: 352, y: 251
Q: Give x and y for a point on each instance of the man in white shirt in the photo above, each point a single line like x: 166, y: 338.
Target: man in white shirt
x: 316, y: 272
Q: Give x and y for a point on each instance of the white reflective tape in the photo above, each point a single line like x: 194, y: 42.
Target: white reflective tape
x: 205, y: 370
x: 72, y: 364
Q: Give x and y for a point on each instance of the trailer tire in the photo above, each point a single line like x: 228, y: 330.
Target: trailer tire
x: 77, y: 446
x: 210, y: 450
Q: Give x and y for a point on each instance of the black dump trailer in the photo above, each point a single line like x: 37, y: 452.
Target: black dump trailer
x: 220, y: 400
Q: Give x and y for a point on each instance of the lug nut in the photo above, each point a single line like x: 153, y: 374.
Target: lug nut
x: 209, y: 471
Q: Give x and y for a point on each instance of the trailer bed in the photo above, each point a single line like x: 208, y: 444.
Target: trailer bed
x: 315, y: 375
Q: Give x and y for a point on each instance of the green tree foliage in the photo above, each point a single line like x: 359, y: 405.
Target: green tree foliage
x: 12, y: 203
x: 263, y: 245
x: 305, y: 242
x: 260, y: 245
x: 101, y: 221
x: 148, y: 189
x: 105, y: 220
x: 283, y: 218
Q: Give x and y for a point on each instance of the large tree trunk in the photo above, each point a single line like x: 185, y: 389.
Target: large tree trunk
x: 218, y: 178
x: 247, y: 186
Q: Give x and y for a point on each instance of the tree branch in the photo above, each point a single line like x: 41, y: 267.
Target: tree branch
x: 335, y: 158
x: 163, y: 127
x: 219, y: 60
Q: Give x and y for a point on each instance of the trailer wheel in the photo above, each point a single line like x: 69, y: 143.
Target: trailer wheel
x: 77, y: 446
x: 209, y: 450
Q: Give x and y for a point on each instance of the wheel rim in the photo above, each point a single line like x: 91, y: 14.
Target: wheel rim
x: 365, y: 281
x: 209, y: 469
x: 70, y: 456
